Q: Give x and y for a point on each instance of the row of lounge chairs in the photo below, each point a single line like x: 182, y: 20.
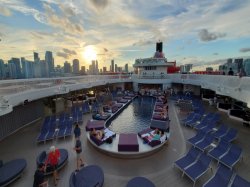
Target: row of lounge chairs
x: 195, y: 163
x: 225, y: 153
x: 226, y: 177
x: 51, y: 130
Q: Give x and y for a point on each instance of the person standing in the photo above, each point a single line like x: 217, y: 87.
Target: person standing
x: 53, y: 160
x: 230, y: 72
x: 78, y: 149
x: 39, y: 180
x: 77, y: 131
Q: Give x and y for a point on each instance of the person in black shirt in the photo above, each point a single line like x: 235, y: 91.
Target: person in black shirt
x: 78, y: 149
x: 39, y: 180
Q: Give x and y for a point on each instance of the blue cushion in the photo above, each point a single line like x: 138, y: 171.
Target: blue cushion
x: 11, y: 170
x: 91, y: 175
x: 140, y: 181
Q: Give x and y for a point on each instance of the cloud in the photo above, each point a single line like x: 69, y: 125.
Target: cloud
x: 207, y: 36
x: 62, y: 54
x: 20, y: 6
x: 99, y: 4
x: 61, y: 21
x: 244, y: 50
x: 5, y: 11
x: 69, y: 52
x: 66, y: 53
x: 143, y: 42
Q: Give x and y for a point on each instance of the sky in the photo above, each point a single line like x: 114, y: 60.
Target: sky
x: 201, y: 32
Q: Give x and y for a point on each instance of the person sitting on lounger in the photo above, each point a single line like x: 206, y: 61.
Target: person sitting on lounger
x: 98, y: 134
x: 157, y: 135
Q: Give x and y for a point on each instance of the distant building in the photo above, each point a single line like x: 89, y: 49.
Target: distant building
x: 238, y: 64
x: 44, y: 68
x: 83, y: 70
x: 119, y: 69
x: 12, y: 70
x: 112, y: 66
x: 126, y: 68
x: 37, y: 70
x: 50, y: 61
x: 76, y: 66
x: 246, y: 66
x: 18, y: 71
x: 67, y: 67
x: 116, y: 69
x: 2, y: 70
x: 209, y: 69
x: 28, y: 69
x: 186, y: 68
x: 96, y: 68
x: 36, y: 57
x: 104, y: 69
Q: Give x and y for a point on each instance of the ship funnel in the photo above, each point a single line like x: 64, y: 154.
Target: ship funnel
x: 159, y: 46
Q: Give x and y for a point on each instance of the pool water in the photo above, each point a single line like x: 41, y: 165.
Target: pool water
x: 135, y: 117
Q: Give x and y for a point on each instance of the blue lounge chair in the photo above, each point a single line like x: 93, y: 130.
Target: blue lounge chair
x: 62, y: 128
x: 42, y: 136
x: 240, y: 182
x: 52, y: 130
x: 208, y: 128
x: 188, y: 159
x: 69, y: 128
x: 231, y: 157
x: 205, y: 143
x: 221, y: 131
x: 201, y: 125
x: 197, y: 169
x: 230, y: 135
x: 221, y: 178
x: 220, y: 150
x: 189, y: 117
x: 193, y: 122
x: 197, y: 138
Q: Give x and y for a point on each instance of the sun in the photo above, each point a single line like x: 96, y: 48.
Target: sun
x: 89, y: 53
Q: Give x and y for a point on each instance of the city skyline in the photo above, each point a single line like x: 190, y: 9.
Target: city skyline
x: 193, y: 32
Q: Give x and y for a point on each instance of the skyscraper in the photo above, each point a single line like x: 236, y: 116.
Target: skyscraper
x: 12, y: 70
x: 116, y: 68
x: 18, y: 72
x: 36, y: 57
x: 76, y: 66
x: 2, y: 70
x: 83, y: 70
x: 50, y: 61
x: 238, y: 63
x: 67, y: 67
x: 96, y: 67
x: 112, y: 66
x: 44, y: 68
x: 126, y: 68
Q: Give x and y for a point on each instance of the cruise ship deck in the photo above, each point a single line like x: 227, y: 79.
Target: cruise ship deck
x: 157, y: 167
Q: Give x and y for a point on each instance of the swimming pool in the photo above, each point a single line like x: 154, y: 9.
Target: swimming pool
x: 135, y: 117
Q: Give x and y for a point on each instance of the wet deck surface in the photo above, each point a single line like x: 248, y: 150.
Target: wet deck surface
x: 157, y: 167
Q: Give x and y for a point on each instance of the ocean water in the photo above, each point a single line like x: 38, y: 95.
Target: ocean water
x: 135, y: 117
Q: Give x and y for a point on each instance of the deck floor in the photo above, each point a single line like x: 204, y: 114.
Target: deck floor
x: 157, y: 167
